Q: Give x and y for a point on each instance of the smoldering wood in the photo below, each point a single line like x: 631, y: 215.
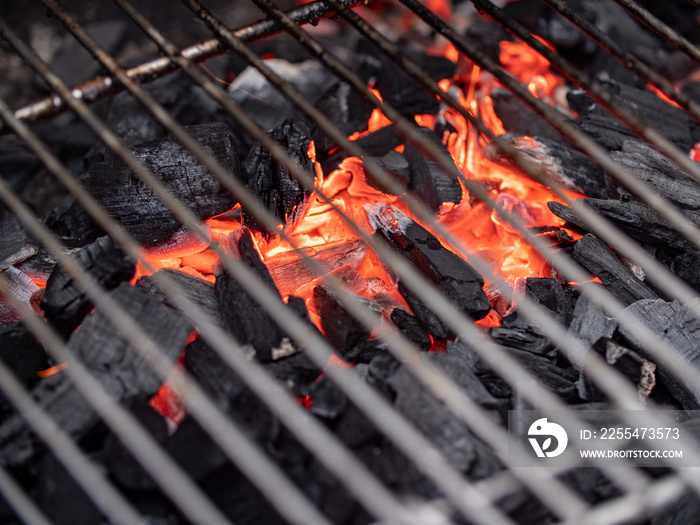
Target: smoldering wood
x: 347, y: 109
x: 343, y: 331
x: 560, y: 161
x: 517, y: 118
x: 594, y: 254
x: 290, y: 273
x: 271, y: 182
x: 659, y: 173
x: 247, y: 320
x: 411, y: 328
x: 376, y: 144
x: 678, y: 326
x: 635, y: 219
x: 65, y: 303
x: 398, y: 168
x: 198, y: 291
x: 670, y: 121
x: 135, y: 206
x: 113, y: 362
x: 21, y: 286
x: 16, y: 245
x: 452, y: 275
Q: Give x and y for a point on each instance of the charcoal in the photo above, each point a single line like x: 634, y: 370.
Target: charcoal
x: 65, y: 303
x: 517, y: 118
x: 247, y: 320
x: 679, y: 512
x: 636, y: 219
x: 398, y: 167
x: 467, y: 354
x: 547, y: 292
x: 610, y: 133
x: 212, y: 374
x: 630, y: 364
x: 487, y: 37
x: 561, y: 381
x: 375, y: 144
x: 23, y: 289
x: 353, y: 427
x: 381, y: 368
x: 430, y: 182
x: 345, y: 333
x: 521, y: 336
x: 678, y: 326
x: 290, y: 273
x: 462, y: 374
x: 687, y: 267
x: 117, y: 366
x: 271, y: 182
x: 411, y: 328
x: 197, y: 290
x: 267, y: 106
x: 659, y: 173
x: 61, y: 497
x: 74, y: 64
x: 452, y: 275
x: 589, y: 322
x: 434, y: 420
x: 561, y: 162
x: 592, y: 253
x: 134, y: 205
x: 24, y: 356
x: 692, y: 89
x: 327, y: 401
x: 347, y: 109
x: 15, y: 243
x: 296, y: 372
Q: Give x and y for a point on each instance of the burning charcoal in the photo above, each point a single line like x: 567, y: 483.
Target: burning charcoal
x: 113, y: 362
x: 589, y: 322
x: 326, y: 400
x: 411, y: 328
x: 197, y: 290
x: 281, y: 193
x: 296, y: 372
x: 248, y: 321
x: 347, y: 109
x: 264, y: 103
x: 429, y: 181
x: 15, y: 243
x: 211, y: 373
x: 548, y: 292
x: 487, y: 36
x: 603, y: 127
x: 375, y: 144
x: 678, y: 326
x: 636, y: 219
x: 61, y: 497
x: 345, y: 333
x: 290, y: 273
x: 397, y: 166
x: 65, y: 304
x: 592, y: 253
x: 23, y: 289
x: 659, y: 173
x: 452, y: 275
x: 563, y: 163
x: 519, y: 119
x: 134, y: 205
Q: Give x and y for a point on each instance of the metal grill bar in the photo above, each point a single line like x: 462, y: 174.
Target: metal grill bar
x: 661, y: 29
x: 101, y: 87
x: 628, y: 59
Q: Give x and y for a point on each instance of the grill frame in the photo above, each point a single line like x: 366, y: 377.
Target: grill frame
x: 566, y: 508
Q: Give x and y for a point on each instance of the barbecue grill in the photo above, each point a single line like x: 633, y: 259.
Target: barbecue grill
x: 496, y: 491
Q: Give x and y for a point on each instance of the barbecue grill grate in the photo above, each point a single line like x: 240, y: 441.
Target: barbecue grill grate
x: 640, y: 494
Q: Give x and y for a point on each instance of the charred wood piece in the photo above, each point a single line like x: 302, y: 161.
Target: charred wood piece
x: 678, y: 326
x: 23, y: 289
x: 65, y: 303
x: 411, y: 328
x: 376, y: 144
x: 589, y: 322
x: 452, y: 275
x: 630, y: 364
x: 134, y: 205
x: 15, y: 243
x: 212, y: 374
x: 345, y: 333
x: 111, y: 359
x: 271, y: 182
x: 594, y: 254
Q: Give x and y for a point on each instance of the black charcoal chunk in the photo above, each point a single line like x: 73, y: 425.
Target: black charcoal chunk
x: 428, y: 320
x: 518, y: 118
x: 197, y: 290
x: 411, y: 328
x: 65, y: 303
x: 111, y: 359
x: 678, y: 326
x: 521, y: 336
x: 687, y: 267
x: 608, y: 131
x: 451, y: 274
x: 15, y: 243
x: 548, y: 292
x: 345, y: 333
x: 375, y: 144
x: 589, y: 322
x: 281, y: 193
x: 398, y: 167
x: 135, y: 206
x: 296, y: 372
x: 640, y: 371
x: 327, y: 401
x: 592, y: 253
